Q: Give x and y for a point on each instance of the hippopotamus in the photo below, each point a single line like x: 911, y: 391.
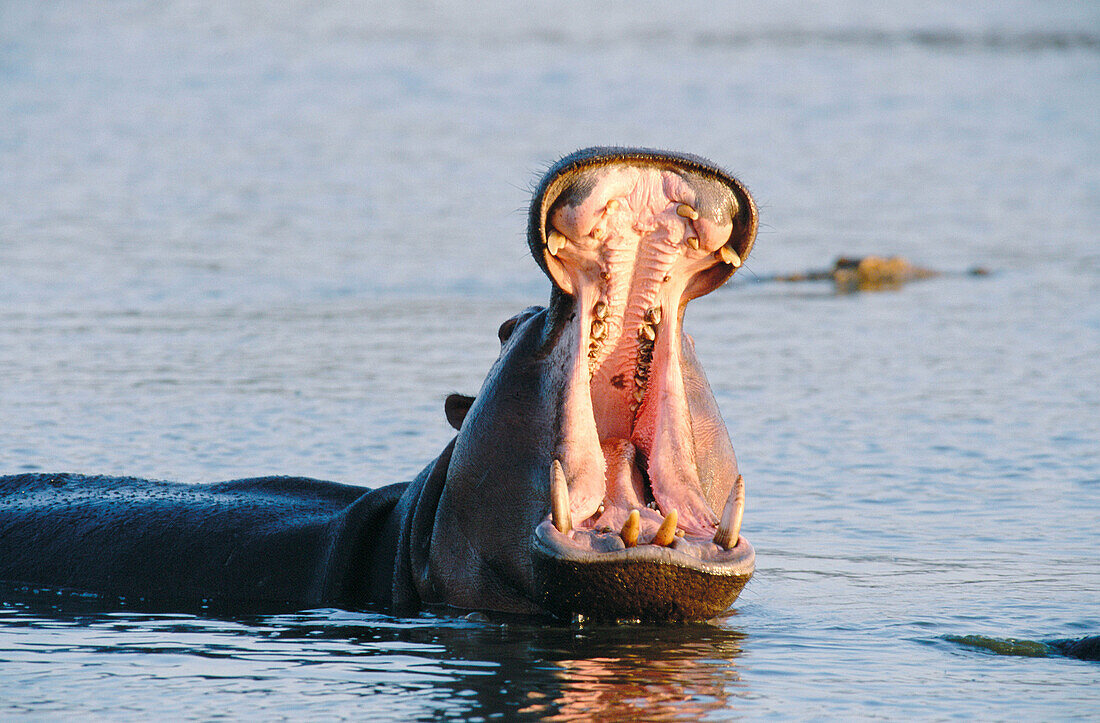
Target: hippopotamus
x: 591, y: 477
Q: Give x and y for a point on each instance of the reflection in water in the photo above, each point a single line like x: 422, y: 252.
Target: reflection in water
x: 551, y: 671
x: 646, y: 673
x: 424, y: 667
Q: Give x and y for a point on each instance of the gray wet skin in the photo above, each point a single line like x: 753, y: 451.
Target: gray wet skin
x: 493, y: 542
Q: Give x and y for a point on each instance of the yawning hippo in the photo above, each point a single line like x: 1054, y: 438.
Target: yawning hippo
x: 592, y: 474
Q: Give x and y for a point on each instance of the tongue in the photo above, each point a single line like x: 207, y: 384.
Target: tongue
x: 626, y: 490
x: 663, y: 431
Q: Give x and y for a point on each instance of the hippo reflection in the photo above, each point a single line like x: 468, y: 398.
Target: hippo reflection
x: 591, y: 475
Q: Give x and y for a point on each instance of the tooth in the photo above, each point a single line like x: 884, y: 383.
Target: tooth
x: 647, y: 332
x: 666, y: 533
x: 631, y: 528
x: 600, y: 310
x: 728, y: 256
x: 729, y: 529
x: 634, y: 406
x: 639, y: 394
x: 598, y: 233
x: 687, y: 211
x: 555, y: 242
x: 653, y: 316
x: 599, y: 329
x: 559, y: 499
x: 693, y: 241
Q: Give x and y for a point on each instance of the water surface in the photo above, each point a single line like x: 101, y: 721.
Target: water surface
x: 240, y: 240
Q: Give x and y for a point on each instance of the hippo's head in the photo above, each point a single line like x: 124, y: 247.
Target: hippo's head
x: 593, y: 474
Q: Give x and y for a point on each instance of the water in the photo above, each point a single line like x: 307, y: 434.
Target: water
x: 241, y: 239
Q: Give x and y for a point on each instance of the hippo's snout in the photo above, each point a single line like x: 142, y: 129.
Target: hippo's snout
x: 593, y: 474
x: 643, y: 484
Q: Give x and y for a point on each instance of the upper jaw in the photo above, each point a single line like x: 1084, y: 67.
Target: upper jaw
x: 628, y: 237
x: 559, y: 184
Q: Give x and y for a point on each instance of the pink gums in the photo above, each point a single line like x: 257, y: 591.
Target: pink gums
x: 631, y: 247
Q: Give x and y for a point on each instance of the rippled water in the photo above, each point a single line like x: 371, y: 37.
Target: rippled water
x: 241, y: 239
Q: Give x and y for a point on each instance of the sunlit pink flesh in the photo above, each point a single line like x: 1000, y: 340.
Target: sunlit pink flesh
x: 627, y: 253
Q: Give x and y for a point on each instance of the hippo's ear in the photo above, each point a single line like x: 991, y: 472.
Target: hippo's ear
x: 506, y: 329
x: 455, y: 407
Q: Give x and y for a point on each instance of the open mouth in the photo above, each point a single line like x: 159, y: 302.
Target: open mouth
x: 640, y: 473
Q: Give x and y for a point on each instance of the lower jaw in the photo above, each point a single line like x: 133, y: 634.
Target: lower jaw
x: 644, y: 583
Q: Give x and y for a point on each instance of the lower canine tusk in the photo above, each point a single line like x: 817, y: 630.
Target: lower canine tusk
x: 729, y: 530
x: 666, y: 533
x: 559, y: 499
x: 631, y: 528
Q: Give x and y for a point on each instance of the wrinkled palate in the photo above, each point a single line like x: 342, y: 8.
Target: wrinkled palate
x: 627, y: 252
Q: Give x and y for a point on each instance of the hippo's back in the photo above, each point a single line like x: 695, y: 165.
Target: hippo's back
x: 262, y: 542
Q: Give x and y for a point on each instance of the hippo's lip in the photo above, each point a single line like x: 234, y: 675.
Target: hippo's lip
x: 646, y: 582
x: 631, y: 237
x: 712, y: 559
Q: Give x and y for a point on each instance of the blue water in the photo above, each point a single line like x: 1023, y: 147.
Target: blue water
x: 241, y: 239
